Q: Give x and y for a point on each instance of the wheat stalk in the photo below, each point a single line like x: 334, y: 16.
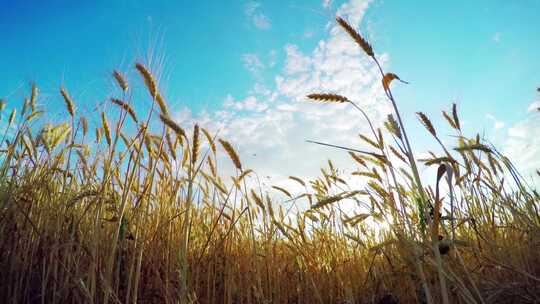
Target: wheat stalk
x: 162, y: 105
x: 455, y: 115
x: 475, y: 146
x: 449, y: 120
x: 82, y: 195
x: 287, y: 193
x: 427, y: 123
x: 149, y: 80
x: 170, y: 144
x: 398, y: 155
x: 126, y: 107
x: 357, y: 158
x: 298, y: 180
x: 120, y: 80
x: 84, y: 123
x: 152, y: 87
x: 210, y: 140
x: 212, y: 166
x: 12, y: 117
x: 173, y: 125
x: 106, y: 128
x: 333, y: 199
x: 369, y: 141
x: 328, y: 97
x: 258, y: 201
x: 195, y: 144
x: 98, y: 135
x: 232, y: 154
x: 33, y: 96
x: 392, y: 126
x: 69, y: 102
x: 244, y: 174
x: 356, y: 37
x: 125, y: 139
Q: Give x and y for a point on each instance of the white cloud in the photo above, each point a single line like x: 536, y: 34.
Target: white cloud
x: 272, y: 58
x: 261, y: 21
x: 258, y: 19
x: 270, y: 126
x: 296, y: 61
x: 535, y: 106
x: 253, y: 63
x: 522, y: 145
x: 251, y: 103
x: 497, y: 37
x: 327, y: 3
x: 354, y: 11
x: 497, y: 124
x: 308, y: 34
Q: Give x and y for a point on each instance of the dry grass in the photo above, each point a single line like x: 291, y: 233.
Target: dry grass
x: 82, y: 221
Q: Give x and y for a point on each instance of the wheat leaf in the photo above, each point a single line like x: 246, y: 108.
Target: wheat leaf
x: 387, y: 79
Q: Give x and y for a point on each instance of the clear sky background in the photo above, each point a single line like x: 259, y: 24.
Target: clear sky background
x: 244, y: 67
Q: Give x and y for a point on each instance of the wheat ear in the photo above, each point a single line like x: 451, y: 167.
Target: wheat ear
x: 70, y: 105
x: 120, y: 80
x: 232, y: 154
x: 151, y: 84
x: 356, y: 37
x: 328, y: 97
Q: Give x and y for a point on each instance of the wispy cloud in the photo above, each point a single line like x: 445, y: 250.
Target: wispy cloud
x: 269, y: 127
x: 497, y: 37
x: 535, y: 106
x: 327, y: 3
x: 260, y: 20
x: 253, y: 64
x: 497, y: 124
x: 308, y: 34
x: 251, y: 104
x: 272, y: 58
x: 522, y: 145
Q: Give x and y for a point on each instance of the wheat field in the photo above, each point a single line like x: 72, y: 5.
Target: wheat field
x: 138, y: 211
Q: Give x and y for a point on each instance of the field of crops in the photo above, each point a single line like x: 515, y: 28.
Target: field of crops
x: 135, y: 210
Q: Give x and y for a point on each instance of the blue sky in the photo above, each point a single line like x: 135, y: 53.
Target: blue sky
x: 258, y: 57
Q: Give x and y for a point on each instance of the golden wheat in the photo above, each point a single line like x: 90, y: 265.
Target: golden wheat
x: 287, y: 193
x: 298, y: 180
x: 70, y: 105
x: 120, y: 80
x: 455, y: 116
x: 356, y: 37
x: 232, y: 153
x: 12, y: 117
x: 106, y: 128
x: 126, y: 107
x: 210, y: 140
x: 33, y: 96
x: 328, y: 97
x: 173, y: 125
x: 195, y: 144
x: 84, y: 123
x: 427, y: 123
x: 152, y: 87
